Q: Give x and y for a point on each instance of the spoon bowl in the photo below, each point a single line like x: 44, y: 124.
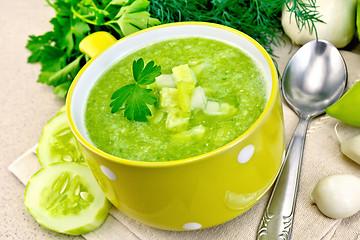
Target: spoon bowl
x: 314, y: 79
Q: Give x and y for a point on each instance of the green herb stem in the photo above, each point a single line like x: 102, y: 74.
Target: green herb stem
x: 82, y: 17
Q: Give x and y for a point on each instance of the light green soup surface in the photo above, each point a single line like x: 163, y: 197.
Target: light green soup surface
x: 227, y: 75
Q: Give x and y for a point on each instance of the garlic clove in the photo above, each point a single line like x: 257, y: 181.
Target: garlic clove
x: 338, y: 26
x: 338, y: 196
x: 351, y: 148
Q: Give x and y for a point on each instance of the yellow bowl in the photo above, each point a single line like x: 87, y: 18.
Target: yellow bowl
x: 197, y: 192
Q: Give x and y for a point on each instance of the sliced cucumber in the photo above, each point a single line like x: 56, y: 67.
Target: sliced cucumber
x: 177, y: 120
x: 198, y: 69
x: 198, y: 98
x: 62, y: 109
x: 227, y: 109
x: 157, y: 117
x: 185, y: 90
x: 183, y: 73
x: 169, y: 98
x: 197, y: 133
x: 165, y: 80
x: 57, y: 143
x: 215, y: 108
x: 64, y: 197
x: 212, y: 108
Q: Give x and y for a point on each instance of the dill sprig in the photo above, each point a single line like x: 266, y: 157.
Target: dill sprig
x: 260, y: 19
x: 305, y: 14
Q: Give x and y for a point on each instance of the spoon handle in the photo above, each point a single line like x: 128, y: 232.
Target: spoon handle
x: 278, y: 217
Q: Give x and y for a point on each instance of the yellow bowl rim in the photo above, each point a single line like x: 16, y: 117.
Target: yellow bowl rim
x: 134, y: 163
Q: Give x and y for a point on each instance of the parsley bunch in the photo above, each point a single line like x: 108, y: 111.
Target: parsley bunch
x: 58, y: 50
x: 132, y: 98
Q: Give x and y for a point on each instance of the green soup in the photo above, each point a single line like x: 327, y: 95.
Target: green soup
x: 227, y: 76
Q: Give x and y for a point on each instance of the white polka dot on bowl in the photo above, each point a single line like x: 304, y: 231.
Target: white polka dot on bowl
x: 246, y: 153
x: 110, y: 174
x: 192, y: 226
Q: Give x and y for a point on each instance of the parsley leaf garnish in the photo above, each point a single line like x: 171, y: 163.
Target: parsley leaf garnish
x: 132, y: 98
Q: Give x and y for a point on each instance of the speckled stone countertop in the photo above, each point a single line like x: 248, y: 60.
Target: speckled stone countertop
x: 25, y: 107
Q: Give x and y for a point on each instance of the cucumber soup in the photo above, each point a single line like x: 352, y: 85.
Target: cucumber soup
x: 208, y: 94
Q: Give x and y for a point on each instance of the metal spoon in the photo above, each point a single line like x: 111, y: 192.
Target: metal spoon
x: 314, y: 78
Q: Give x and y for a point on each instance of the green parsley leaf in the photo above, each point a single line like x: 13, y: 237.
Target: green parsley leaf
x: 62, y: 89
x: 134, y: 16
x: 62, y: 75
x: 58, y: 50
x: 132, y: 98
x: 120, y: 97
x: 147, y: 75
x: 36, y: 45
x: 136, y: 108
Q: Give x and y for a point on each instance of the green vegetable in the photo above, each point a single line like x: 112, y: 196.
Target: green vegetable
x: 346, y: 109
x: 58, y: 50
x: 57, y: 143
x: 133, y: 98
x: 337, y: 25
x: 64, y: 197
x: 61, y: 59
x: 259, y: 19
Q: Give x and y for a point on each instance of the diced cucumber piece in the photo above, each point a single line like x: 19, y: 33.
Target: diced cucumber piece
x: 197, y: 133
x: 169, y: 98
x: 151, y: 86
x: 156, y: 117
x: 64, y: 197
x: 215, y: 108
x: 177, y: 120
x: 194, y: 62
x: 183, y: 73
x: 182, y: 136
x: 185, y: 90
x: 151, y: 108
x: 57, y: 143
x: 198, y: 98
x: 165, y: 80
x: 208, y: 91
x: 227, y: 109
x: 198, y: 69
x: 212, y: 108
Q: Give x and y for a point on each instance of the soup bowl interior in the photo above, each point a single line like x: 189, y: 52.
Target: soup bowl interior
x: 197, y: 192
x: 125, y: 47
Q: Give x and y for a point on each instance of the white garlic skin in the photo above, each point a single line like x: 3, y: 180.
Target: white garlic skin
x: 339, y: 18
x: 351, y: 148
x: 338, y: 196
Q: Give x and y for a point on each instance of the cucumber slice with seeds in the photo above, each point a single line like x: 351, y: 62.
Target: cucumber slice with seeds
x: 57, y: 143
x: 62, y: 109
x: 64, y: 197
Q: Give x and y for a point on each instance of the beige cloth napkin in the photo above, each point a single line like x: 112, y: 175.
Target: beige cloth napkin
x: 322, y: 157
